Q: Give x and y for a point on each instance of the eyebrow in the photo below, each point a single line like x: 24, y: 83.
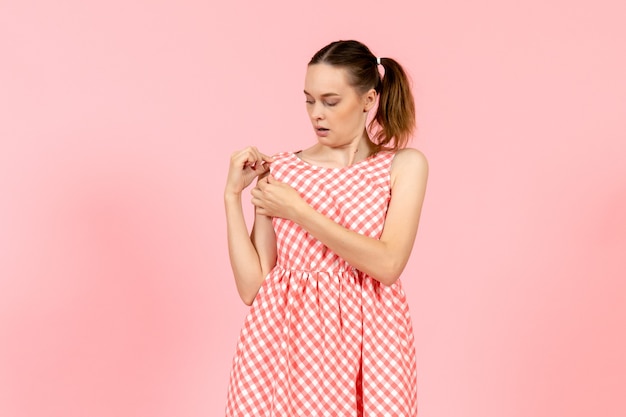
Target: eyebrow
x: 323, y: 95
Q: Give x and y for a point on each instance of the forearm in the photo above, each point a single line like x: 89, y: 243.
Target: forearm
x: 264, y: 240
x: 244, y: 258
x: 381, y: 260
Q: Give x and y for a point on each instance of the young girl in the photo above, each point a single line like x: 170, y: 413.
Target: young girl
x: 329, y: 331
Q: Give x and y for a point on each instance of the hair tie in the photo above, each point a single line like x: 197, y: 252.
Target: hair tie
x: 378, y: 60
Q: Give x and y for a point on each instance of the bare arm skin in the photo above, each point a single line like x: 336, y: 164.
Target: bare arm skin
x: 251, y: 256
x: 383, y: 259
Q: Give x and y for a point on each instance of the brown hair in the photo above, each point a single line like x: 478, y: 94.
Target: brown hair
x: 394, y: 120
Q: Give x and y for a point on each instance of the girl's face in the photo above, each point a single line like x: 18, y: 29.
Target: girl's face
x: 337, y: 111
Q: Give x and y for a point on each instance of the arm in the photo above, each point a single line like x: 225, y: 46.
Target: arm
x: 251, y: 256
x: 383, y: 259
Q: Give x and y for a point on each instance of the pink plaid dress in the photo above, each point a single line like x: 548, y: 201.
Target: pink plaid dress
x: 322, y: 338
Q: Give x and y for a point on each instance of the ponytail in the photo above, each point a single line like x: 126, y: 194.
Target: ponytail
x: 394, y: 121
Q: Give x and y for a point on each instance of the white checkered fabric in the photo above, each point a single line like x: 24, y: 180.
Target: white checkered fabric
x: 322, y: 338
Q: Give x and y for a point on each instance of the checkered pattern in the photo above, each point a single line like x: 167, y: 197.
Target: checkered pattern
x: 322, y: 338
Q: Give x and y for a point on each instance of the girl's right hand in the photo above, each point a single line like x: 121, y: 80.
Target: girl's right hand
x: 245, y: 166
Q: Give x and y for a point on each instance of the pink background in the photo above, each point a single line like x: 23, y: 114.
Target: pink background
x: 117, y: 120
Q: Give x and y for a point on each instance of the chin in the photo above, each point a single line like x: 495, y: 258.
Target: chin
x: 326, y: 141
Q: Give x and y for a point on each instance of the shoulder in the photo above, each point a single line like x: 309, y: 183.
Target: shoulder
x: 409, y: 165
x: 409, y: 161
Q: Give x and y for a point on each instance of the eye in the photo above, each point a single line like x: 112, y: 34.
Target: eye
x: 309, y: 101
x: 331, y: 103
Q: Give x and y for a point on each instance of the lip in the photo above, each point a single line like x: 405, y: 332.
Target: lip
x: 319, y: 132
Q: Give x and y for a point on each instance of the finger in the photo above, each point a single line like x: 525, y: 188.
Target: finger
x: 261, y: 154
x: 262, y: 166
x: 263, y: 162
x: 262, y: 180
x: 261, y: 157
x: 250, y: 157
x: 246, y: 160
x: 256, y: 160
x: 259, y: 208
x: 240, y: 158
x: 267, y: 158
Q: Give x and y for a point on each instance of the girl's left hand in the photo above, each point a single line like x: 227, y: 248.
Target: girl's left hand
x: 275, y: 198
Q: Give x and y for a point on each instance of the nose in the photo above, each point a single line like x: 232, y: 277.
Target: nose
x: 316, y: 111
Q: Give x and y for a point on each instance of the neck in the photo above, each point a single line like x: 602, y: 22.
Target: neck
x: 349, y: 154
x: 361, y: 148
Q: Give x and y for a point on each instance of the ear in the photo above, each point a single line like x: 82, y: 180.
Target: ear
x: 369, y: 100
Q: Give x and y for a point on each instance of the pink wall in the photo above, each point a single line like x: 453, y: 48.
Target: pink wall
x: 117, y: 120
